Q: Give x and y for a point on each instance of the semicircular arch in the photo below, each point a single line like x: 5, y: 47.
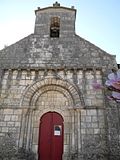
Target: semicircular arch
x: 70, y: 91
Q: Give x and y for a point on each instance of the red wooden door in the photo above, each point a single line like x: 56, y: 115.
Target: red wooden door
x: 51, y: 137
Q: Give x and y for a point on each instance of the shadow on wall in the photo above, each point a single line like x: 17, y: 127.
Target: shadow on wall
x: 118, y: 66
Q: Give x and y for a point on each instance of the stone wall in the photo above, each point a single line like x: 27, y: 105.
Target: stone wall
x: 43, y: 20
x: 113, y: 130
x: 34, y: 52
x: 28, y: 94
x: 15, y: 82
x: 10, y: 122
x: 41, y: 74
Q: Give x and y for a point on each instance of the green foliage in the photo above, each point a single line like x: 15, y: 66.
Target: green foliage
x: 9, y: 151
x: 95, y: 148
x: 23, y: 154
x: 7, y: 147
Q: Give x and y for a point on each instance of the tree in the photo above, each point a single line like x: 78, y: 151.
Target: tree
x: 112, y: 84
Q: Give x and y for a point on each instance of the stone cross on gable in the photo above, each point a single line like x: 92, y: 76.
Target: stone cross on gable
x: 56, y: 4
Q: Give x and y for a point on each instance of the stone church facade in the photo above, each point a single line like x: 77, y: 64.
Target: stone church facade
x: 51, y: 71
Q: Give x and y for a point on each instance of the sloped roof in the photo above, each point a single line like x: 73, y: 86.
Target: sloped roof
x: 36, y: 52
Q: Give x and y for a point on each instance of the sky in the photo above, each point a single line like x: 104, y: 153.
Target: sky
x: 97, y: 21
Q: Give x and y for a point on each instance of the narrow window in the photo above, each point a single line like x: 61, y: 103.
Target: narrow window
x: 55, y: 27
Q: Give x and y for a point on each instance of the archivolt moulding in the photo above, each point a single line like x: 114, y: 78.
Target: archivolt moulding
x: 33, y: 92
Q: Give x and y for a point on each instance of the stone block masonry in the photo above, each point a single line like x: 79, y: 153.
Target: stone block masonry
x: 41, y: 74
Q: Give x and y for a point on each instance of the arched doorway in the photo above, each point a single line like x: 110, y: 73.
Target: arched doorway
x: 51, y: 132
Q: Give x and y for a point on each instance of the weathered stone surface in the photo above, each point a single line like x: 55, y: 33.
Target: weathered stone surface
x: 41, y: 74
